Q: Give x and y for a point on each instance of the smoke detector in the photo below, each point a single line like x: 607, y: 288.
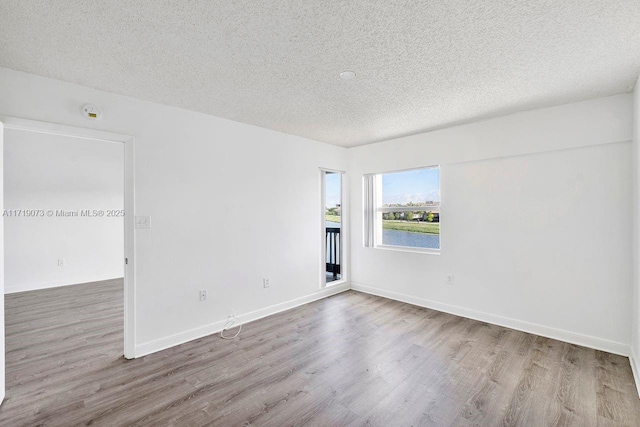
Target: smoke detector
x: 90, y: 111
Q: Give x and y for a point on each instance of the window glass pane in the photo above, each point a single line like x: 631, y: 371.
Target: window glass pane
x: 416, y: 222
x: 333, y: 226
x: 332, y: 200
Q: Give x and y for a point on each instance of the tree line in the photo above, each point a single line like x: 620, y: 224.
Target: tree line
x: 409, y: 216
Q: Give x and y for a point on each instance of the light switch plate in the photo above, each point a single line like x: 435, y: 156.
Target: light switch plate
x: 143, y: 221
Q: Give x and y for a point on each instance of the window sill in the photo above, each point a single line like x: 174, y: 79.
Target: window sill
x: 408, y: 249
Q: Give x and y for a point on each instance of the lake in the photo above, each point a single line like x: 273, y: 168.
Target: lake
x: 413, y: 240
x: 404, y: 238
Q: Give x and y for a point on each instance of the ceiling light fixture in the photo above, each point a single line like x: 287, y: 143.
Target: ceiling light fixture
x: 347, y: 75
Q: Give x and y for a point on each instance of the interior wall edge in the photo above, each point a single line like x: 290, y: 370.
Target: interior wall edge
x: 635, y: 369
x: 622, y: 349
x: 635, y: 327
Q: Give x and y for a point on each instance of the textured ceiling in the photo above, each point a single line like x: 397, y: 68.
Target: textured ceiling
x: 420, y: 64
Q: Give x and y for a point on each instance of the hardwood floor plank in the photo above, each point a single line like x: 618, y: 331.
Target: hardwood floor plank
x: 350, y: 360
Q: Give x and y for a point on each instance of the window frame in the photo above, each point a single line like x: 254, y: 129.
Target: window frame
x: 380, y: 210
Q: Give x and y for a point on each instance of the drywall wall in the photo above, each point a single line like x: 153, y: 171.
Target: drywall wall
x: 535, y: 217
x: 2, y: 352
x: 64, y: 183
x: 635, y: 328
x: 229, y: 204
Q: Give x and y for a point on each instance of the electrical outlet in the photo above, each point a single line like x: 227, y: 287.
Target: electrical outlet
x: 61, y: 262
x: 203, y: 295
x: 449, y: 279
x: 265, y: 282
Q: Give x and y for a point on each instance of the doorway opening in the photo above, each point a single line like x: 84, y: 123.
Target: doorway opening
x: 333, y: 227
x: 69, y: 231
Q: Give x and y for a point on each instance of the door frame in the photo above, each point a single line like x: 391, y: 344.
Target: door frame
x: 129, y: 207
x: 344, y: 235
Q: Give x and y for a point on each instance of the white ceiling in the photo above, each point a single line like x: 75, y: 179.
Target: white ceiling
x: 420, y: 65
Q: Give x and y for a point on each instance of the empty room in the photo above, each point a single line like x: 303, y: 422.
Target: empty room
x: 329, y: 213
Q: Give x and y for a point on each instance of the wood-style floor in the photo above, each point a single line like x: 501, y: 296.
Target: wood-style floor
x: 351, y: 359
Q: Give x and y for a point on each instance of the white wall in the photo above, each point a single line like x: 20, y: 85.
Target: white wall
x: 232, y: 203
x: 48, y: 172
x: 635, y: 329
x: 2, y: 352
x: 229, y: 203
x: 536, y: 213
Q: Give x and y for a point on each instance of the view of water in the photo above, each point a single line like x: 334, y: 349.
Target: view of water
x: 414, y: 240
x: 403, y: 238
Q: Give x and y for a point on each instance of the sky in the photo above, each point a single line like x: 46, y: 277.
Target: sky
x: 333, y: 189
x: 411, y: 186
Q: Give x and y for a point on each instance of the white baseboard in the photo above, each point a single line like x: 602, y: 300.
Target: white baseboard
x: 212, y: 328
x: 619, y: 348
x: 533, y: 328
x: 54, y: 284
x: 636, y: 371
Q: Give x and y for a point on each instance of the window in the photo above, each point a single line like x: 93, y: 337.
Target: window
x: 403, y: 209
